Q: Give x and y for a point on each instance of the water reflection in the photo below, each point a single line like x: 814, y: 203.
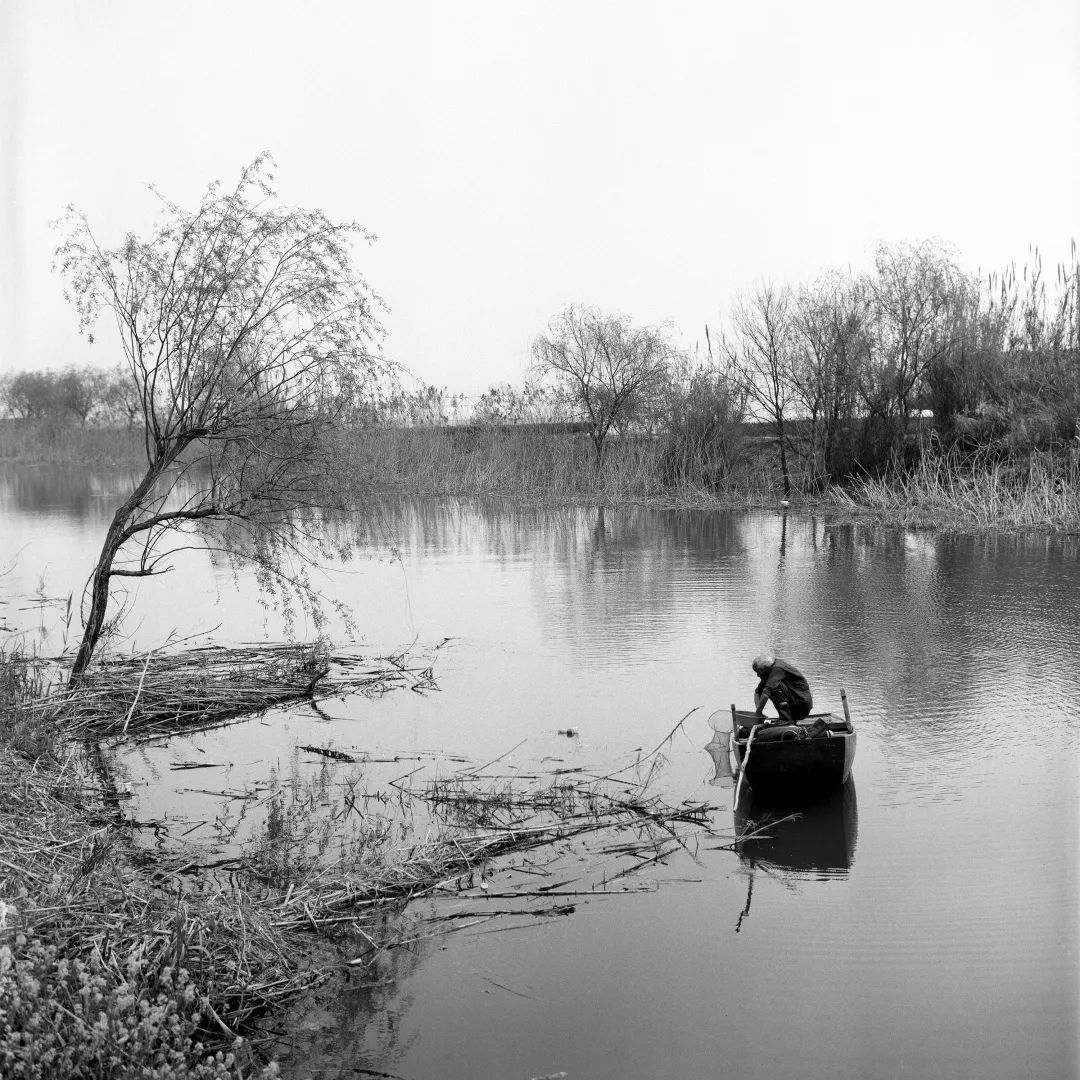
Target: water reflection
x: 950, y: 948
x: 815, y: 840
x: 79, y: 494
x: 811, y: 840
x: 358, y: 1018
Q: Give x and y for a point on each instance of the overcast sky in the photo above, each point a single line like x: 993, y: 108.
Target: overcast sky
x: 512, y: 158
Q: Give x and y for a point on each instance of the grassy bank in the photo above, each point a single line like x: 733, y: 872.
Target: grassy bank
x: 105, y: 970
x: 531, y: 465
x: 1038, y: 491
x: 523, y: 463
x: 968, y: 495
x: 127, y: 959
x: 58, y: 443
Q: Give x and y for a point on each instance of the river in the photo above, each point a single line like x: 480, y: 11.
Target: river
x: 924, y: 923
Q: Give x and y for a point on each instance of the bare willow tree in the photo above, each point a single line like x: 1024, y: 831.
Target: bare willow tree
x: 920, y: 300
x: 245, y: 330
x: 610, y: 368
x: 761, y: 349
x: 832, y: 317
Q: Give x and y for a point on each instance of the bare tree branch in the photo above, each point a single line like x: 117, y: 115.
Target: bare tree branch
x: 246, y: 332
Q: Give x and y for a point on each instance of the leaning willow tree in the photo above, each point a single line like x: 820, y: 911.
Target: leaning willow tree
x: 246, y: 332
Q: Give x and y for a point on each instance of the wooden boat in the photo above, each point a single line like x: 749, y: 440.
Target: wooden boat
x: 791, y: 761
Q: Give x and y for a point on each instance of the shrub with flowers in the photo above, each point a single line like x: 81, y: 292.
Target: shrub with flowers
x: 66, y: 1018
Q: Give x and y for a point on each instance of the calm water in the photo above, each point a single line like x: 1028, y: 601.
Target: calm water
x: 924, y: 923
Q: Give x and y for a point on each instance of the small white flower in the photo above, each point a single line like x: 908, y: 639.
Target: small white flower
x: 8, y: 912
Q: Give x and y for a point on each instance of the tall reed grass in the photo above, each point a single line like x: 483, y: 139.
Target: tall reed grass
x: 537, y: 466
x: 954, y: 494
x: 534, y: 465
x: 54, y: 442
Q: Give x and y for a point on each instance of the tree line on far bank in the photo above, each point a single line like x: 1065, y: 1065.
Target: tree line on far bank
x: 84, y: 395
x: 851, y: 375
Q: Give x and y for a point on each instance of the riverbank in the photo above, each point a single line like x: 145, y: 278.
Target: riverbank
x: 48, y: 442
x: 536, y: 467
x: 946, y: 495
x: 109, y: 965
x: 120, y: 957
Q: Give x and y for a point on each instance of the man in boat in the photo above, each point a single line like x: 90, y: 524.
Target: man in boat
x: 782, y: 683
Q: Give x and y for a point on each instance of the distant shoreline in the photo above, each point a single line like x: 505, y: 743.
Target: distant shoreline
x: 556, y: 468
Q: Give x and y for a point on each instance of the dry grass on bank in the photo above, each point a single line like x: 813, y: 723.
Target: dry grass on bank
x: 55, y: 443
x: 125, y: 960
x: 536, y: 466
x: 942, y: 493
x: 106, y: 970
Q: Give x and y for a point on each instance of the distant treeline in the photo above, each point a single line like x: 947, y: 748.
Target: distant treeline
x: 854, y: 375
x: 83, y: 395
x: 857, y: 360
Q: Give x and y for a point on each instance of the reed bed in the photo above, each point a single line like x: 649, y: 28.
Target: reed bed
x: 118, y: 958
x: 160, y: 693
x: 61, y: 443
x: 946, y: 493
x: 537, y: 466
x: 474, y: 820
x: 620, y: 834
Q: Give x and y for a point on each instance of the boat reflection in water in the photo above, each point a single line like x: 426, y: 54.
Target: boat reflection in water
x: 814, y: 840
x: 808, y: 840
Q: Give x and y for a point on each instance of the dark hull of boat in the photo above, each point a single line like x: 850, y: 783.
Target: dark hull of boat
x: 792, y: 768
x: 783, y: 768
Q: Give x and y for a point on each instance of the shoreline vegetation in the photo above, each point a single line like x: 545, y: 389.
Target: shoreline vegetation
x: 126, y: 958
x: 913, y: 394
x: 541, y: 464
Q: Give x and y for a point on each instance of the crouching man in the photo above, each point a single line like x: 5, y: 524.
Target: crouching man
x: 784, y: 685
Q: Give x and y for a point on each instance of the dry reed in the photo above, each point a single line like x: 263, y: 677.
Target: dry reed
x: 945, y: 493
x: 159, y: 693
x: 537, y: 466
x: 237, y: 936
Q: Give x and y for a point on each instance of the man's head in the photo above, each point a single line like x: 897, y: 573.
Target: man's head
x: 762, y: 663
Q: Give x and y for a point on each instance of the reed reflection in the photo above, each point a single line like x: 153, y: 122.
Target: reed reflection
x: 79, y: 495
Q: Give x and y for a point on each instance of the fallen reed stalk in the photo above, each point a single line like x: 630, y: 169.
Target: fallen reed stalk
x: 485, y: 824
x: 162, y: 693
x: 207, y: 945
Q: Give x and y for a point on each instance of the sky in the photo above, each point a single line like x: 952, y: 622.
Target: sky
x: 652, y: 159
